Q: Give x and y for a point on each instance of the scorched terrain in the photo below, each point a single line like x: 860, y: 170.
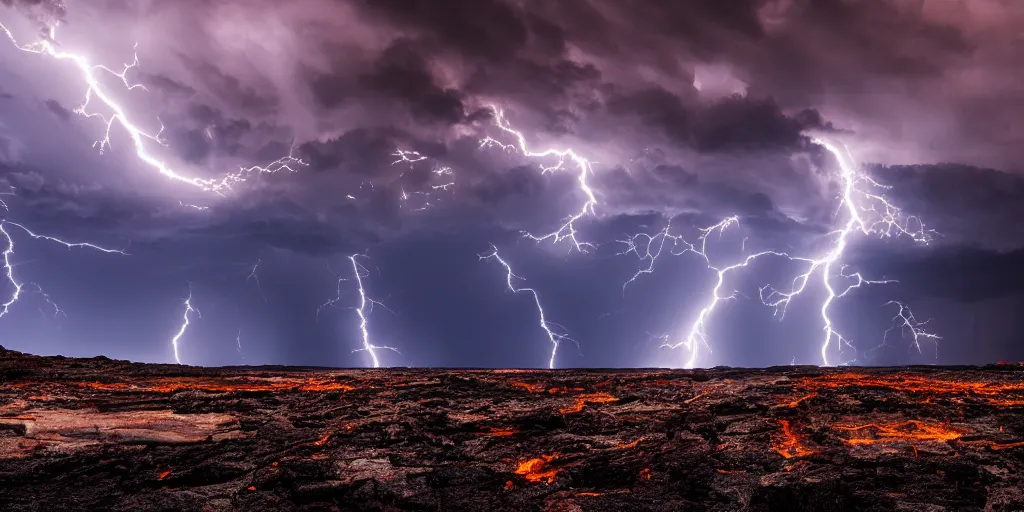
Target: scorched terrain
x: 102, y: 434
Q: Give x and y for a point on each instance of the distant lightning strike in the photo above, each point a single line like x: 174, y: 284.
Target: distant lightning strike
x: 365, y: 303
x: 253, y: 276
x: 905, y: 323
x: 650, y: 247
x: 412, y: 157
x: 568, y: 229
x: 9, y: 266
x: 184, y: 323
x: 869, y: 212
x: 363, y: 310
x: 555, y: 338
x: 141, y: 139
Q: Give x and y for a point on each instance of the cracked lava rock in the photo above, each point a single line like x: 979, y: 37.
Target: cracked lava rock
x: 87, y: 434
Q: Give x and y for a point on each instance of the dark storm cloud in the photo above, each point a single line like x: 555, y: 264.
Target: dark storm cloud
x: 691, y: 111
x: 960, y: 273
x: 58, y: 109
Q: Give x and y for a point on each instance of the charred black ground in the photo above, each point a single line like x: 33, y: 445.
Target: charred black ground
x: 102, y: 434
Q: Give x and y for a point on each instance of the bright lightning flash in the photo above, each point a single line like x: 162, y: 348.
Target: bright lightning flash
x: 184, y: 323
x: 141, y: 139
x: 364, y: 309
x: 568, y: 229
x: 555, y: 338
x: 869, y: 213
x: 650, y: 247
x: 9, y: 267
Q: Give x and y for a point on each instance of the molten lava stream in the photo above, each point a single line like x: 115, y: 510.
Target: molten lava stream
x: 536, y: 470
x: 788, y: 445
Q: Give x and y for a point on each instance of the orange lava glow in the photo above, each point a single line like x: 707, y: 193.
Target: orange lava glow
x: 323, y: 440
x: 500, y: 432
x: 1005, y: 446
x: 589, y: 494
x: 163, y: 475
x: 795, y: 403
x: 209, y: 384
x: 532, y: 388
x: 990, y: 392
x: 627, y: 446
x: 588, y: 398
x: 645, y: 474
x: 899, y: 432
x: 788, y: 445
x: 536, y: 470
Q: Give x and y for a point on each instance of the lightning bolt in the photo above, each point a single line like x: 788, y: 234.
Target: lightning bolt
x: 337, y: 293
x: 650, y: 247
x: 255, y: 277
x: 905, y: 322
x: 869, y: 213
x: 568, y: 229
x: 363, y: 310
x: 184, y: 323
x: 365, y: 302
x: 238, y: 343
x: 9, y: 266
x: 555, y: 338
x: 141, y: 139
x: 193, y: 206
x: 412, y: 157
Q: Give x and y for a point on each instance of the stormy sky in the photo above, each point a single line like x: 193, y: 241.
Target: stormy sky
x: 689, y: 112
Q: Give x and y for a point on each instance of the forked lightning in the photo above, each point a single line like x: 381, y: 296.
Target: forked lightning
x: 567, y: 231
x: 555, y: 338
x: 141, y: 139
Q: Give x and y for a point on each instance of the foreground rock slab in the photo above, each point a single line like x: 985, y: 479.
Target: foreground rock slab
x: 88, y: 434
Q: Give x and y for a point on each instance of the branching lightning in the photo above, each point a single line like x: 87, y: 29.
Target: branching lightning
x: 9, y: 266
x: 362, y: 311
x: 411, y: 158
x: 568, y: 229
x: 650, y: 247
x: 141, y: 139
x: 556, y: 338
x: 869, y: 213
x: 184, y: 323
x: 906, y: 323
x: 253, y: 276
x: 866, y: 210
